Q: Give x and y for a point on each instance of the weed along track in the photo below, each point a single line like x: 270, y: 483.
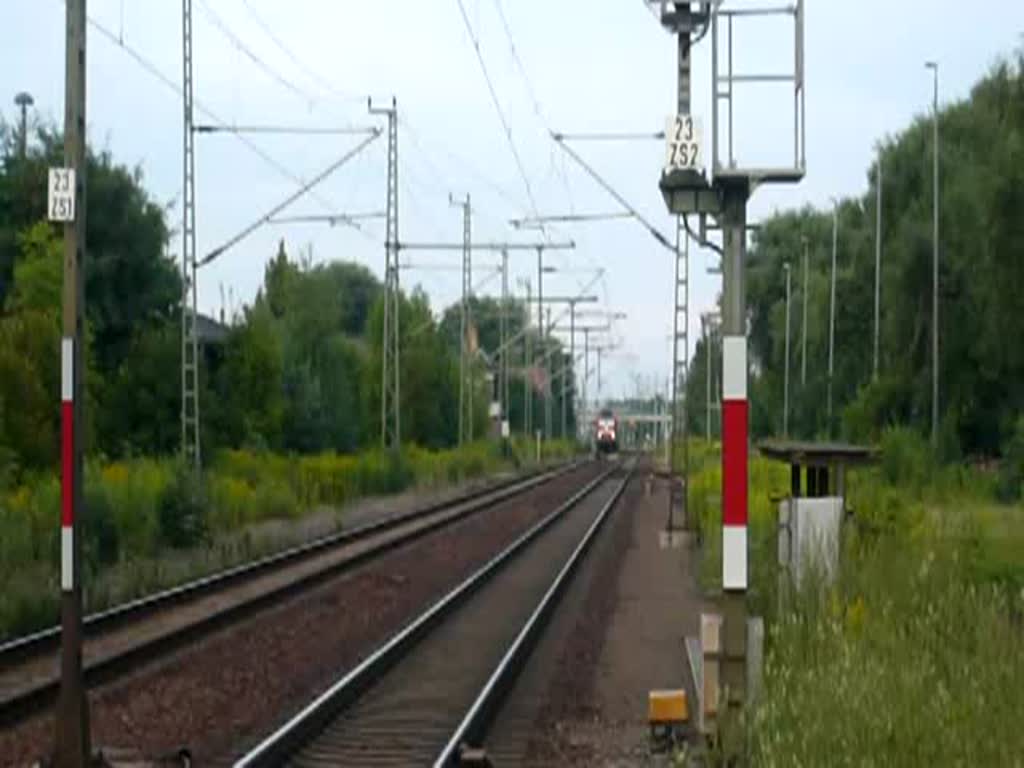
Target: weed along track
x: 148, y: 635
x: 433, y: 688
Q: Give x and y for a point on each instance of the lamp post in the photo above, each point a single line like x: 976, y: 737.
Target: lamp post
x: 878, y: 263
x: 785, y: 397
x: 527, y: 362
x: 832, y: 310
x: 934, y: 67
x: 24, y: 101
x: 803, y: 326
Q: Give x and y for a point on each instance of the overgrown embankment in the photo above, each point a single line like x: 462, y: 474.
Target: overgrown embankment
x: 149, y: 526
x: 913, y: 655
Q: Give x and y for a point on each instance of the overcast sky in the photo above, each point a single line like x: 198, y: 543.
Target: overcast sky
x: 582, y: 66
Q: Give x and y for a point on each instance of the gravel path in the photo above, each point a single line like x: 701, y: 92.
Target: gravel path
x: 407, y: 716
x: 628, y: 639
x: 228, y: 690
x: 556, y: 683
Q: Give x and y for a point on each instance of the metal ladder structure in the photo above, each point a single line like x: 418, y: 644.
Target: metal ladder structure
x: 678, y: 433
x: 190, y: 428
x: 466, y: 324
x: 390, y: 401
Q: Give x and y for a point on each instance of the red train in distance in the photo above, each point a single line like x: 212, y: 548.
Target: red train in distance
x: 606, y: 432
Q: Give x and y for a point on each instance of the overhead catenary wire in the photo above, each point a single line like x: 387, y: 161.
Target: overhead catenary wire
x: 571, y: 218
x: 491, y: 271
x: 311, y: 73
x: 299, y: 130
x: 498, y: 108
x: 225, y: 29
x: 538, y: 110
x: 443, y: 180
x: 560, y: 316
x: 174, y: 86
x: 609, y: 136
x: 655, y: 232
x: 559, y: 170
x: 351, y: 220
x: 216, y: 252
x: 701, y: 241
x: 329, y: 218
x: 535, y: 101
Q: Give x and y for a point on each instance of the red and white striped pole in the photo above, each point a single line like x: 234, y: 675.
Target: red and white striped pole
x: 735, y: 413
x: 735, y: 424
x: 67, y: 204
x: 68, y: 576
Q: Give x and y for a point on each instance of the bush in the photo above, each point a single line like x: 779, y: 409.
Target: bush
x: 134, y: 490
x: 182, y: 512
x: 906, y: 458
x: 101, y: 543
x: 30, y: 600
x: 1011, y: 470
x: 137, y: 509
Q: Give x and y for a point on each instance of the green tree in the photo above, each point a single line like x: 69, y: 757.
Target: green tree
x: 249, y: 388
x: 29, y: 387
x: 982, y: 234
x: 147, y: 392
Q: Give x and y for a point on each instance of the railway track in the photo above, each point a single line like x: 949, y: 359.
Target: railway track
x: 429, y: 694
x: 123, y: 638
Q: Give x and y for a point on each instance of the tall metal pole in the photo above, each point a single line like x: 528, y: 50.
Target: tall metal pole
x: 465, y: 367
x: 190, y: 426
x: 527, y: 363
x: 72, y: 726
x: 680, y: 371
x: 785, y: 397
x: 503, y: 362
x: 934, y: 66
x: 565, y: 411
x: 674, y: 374
x: 390, y: 405
x: 878, y: 264
x: 681, y: 281
x: 705, y: 322
x: 543, y: 335
x: 803, y: 325
x: 832, y: 311
x: 586, y: 375
x: 572, y: 356
x: 735, y: 446
x: 23, y: 101
x: 551, y: 391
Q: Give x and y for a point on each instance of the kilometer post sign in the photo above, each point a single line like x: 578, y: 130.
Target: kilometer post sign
x: 684, y: 144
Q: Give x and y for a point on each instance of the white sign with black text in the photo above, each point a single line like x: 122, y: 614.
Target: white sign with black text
x: 684, y: 143
x: 60, y: 202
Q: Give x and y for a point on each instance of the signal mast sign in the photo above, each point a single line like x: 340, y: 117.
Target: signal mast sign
x: 60, y: 203
x: 684, y: 144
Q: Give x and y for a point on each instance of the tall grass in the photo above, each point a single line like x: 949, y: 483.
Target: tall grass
x: 912, y: 655
x: 143, y: 530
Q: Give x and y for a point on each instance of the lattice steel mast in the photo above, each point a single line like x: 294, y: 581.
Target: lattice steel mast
x: 465, y: 323
x: 190, y: 425
x: 680, y: 374
x: 390, y: 405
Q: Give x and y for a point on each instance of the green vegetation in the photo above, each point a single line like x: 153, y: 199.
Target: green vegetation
x: 148, y: 526
x: 289, y: 393
x: 981, y: 365
x: 295, y: 371
x: 912, y: 656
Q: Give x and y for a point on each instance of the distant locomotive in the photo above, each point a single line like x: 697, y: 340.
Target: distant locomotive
x: 606, y: 432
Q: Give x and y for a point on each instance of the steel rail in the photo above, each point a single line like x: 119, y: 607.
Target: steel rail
x: 30, y: 647
x: 474, y: 726
x: 310, y: 721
